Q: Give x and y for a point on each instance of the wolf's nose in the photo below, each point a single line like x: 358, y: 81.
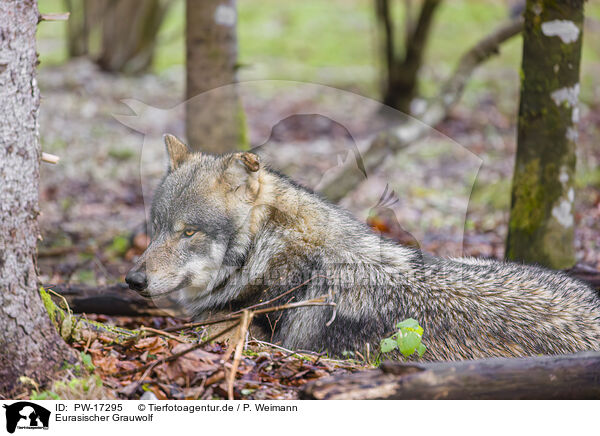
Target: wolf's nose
x: 136, y: 280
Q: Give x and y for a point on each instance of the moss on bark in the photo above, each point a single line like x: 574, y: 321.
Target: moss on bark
x: 541, y: 221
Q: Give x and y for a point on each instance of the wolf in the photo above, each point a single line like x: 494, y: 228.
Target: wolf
x: 228, y: 232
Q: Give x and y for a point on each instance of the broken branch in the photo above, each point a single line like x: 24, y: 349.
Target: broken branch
x: 54, y: 16
x: 239, y: 347
x: 572, y: 376
x: 50, y: 158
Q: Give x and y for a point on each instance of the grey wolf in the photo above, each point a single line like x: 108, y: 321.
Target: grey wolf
x: 228, y: 232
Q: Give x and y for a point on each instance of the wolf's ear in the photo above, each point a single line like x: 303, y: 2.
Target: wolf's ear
x: 178, y: 152
x: 250, y: 161
x: 242, y: 169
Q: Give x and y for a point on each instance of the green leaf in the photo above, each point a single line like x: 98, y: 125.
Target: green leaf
x: 421, y: 349
x: 408, y: 343
x: 408, y: 323
x: 388, y: 344
x: 86, y: 359
x: 418, y: 330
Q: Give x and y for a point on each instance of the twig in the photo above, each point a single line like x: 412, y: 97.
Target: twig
x: 274, y: 325
x: 243, y: 329
x: 131, y: 388
x: 67, y: 308
x: 269, y: 344
x: 264, y: 303
x: 50, y: 158
x: 176, y: 355
x: 55, y: 16
x: 162, y: 333
x: 318, y: 301
x: 334, y: 314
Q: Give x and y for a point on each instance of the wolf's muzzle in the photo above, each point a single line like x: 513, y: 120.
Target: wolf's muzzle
x: 137, y: 280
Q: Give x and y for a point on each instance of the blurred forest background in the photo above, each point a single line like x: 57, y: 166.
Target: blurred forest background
x: 92, y: 200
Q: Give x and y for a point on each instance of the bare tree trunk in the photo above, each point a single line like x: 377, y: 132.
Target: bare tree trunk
x: 215, y: 120
x: 85, y: 20
x: 402, y: 69
x: 29, y: 342
x: 129, y: 31
x: 77, y: 28
x: 542, y: 218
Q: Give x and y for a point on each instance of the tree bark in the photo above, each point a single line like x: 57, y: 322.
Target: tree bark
x: 129, y: 32
x: 77, y: 28
x: 215, y: 120
x: 29, y: 342
x: 573, y: 376
x: 402, y: 69
x: 541, y: 223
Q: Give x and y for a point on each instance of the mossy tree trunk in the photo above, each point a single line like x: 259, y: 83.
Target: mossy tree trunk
x: 29, y: 343
x: 215, y: 120
x: 542, y: 212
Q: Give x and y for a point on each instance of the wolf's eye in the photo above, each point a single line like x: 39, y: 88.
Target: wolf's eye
x: 189, y: 233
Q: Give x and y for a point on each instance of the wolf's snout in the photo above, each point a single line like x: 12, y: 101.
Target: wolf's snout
x: 137, y: 280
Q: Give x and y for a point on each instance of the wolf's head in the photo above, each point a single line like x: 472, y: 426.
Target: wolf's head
x: 201, y: 221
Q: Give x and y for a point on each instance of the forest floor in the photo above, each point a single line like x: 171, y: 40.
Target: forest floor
x: 451, y: 196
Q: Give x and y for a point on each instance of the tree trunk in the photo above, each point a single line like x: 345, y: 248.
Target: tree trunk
x: 542, y: 218
x: 573, y: 376
x: 29, y: 342
x: 129, y: 32
x: 85, y: 20
x: 215, y: 120
x: 402, y: 70
x: 77, y: 28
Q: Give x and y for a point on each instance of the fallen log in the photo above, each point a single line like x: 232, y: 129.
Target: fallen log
x: 586, y: 274
x: 113, y: 300
x: 573, y: 376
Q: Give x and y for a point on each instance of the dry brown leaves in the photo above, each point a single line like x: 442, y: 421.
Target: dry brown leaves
x: 264, y: 372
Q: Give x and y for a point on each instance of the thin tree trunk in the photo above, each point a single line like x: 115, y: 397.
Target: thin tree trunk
x: 542, y: 217
x: 402, y: 69
x: 215, y: 120
x: 77, y: 28
x: 129, y: 32
x: 29, y: 342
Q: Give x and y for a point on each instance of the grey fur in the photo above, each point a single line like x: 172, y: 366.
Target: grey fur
x: 258, y: 234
